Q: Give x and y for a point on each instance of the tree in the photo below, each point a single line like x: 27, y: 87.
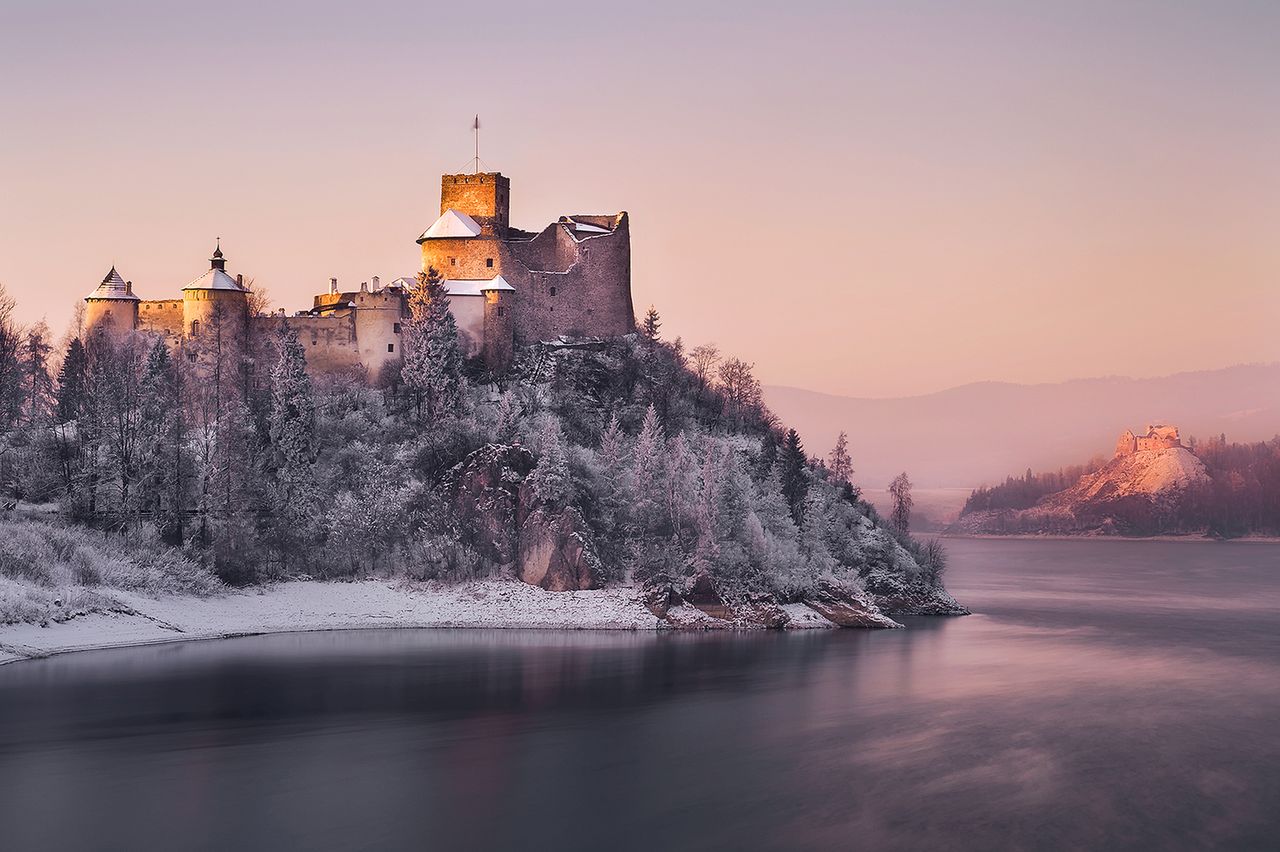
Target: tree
x: 839, y: 461
x: 741, y: 392
x: 163, y: 458
x: 550, y: 478
x: 72, y: 382
x: 10, y: 364
x: 37, y: 383
x: 900, y: 493
x: 705, y: 359
x: 651, y: 325
x: 432, y: 368
x: 293, y: 441
x: 791, y: 474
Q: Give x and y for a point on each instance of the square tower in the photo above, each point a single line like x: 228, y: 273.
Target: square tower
x: 484, y: 197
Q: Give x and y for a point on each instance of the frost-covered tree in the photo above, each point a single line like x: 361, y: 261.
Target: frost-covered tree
x: 432, y: 367
x: 292, y: 434
x: 72, y: 382
x: 550, y: 478
x: 652, y: 325
x: 37, y: 391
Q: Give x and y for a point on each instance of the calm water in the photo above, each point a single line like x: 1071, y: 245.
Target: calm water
x: 1108, y: 695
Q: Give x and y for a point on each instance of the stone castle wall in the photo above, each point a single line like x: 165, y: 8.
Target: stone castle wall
x: 484, y: 197
x: 161, y: 316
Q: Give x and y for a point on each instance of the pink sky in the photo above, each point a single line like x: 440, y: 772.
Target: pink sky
x: 872, y: 199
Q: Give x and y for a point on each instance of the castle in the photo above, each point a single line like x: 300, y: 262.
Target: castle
x: 1157, y: 437
x: 507, y: 288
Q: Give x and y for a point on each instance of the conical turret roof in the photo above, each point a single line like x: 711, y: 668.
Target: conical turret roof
x: 113, y: 287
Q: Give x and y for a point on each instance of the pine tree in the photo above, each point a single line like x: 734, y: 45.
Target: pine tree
x: 651, y: 326
x: 432, y: 368
x: 550, y: 479
x: 791, y: 474
x: 293, y: 441
x: 72, y: 382
x: 839, y: 462
x: 646, y: 472
x: 37, y: 383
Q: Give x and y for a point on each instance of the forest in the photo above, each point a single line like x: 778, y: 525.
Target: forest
x: 250, y: 473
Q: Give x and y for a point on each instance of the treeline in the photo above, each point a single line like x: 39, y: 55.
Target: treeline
x: 1243, y: 497
x: 1023, y: 492
x: 669, y: 456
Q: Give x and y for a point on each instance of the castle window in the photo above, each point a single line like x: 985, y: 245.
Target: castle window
x: 395, y: 327
x: 488, y: 261
x: 499, y: 310
x: 195, y: 328
x: 391, y: 347
x: 553, y: 291
x: 453, y: 261
x: 191, y: 356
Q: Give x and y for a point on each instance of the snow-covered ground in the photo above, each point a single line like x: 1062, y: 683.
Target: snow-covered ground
x: 311, y: 605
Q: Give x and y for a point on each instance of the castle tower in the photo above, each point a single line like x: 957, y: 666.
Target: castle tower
x: 486, y: 198
x: 215, y: 312
x: 111, y: 308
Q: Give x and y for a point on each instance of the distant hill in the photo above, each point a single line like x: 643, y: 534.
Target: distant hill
x: 980, y: 433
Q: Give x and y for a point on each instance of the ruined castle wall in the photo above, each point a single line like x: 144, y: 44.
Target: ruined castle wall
x: 1156, y: 442
x: 592, y: 297
x: 161, y: 316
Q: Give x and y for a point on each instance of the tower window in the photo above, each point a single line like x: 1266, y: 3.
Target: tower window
x: 488, y: 261
x: 499, y: 310
x: 391, y: 347
x: 191, y: 356
x: 553, y: 291
x: 395, y: 327
x: 453, y: 261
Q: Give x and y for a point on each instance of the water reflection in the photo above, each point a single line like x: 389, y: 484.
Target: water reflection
x: 1042, y: 722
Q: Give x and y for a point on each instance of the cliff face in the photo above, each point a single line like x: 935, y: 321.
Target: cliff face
x: 1128, y: 495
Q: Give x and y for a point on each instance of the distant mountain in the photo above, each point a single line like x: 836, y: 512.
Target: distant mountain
x: 982, y: 432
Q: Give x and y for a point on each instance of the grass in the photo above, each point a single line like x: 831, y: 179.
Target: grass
x: 50, y: 572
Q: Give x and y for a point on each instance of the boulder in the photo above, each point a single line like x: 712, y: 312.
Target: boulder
x: 555, y: 551
x: 660, y: 595
x: 700, y: 591
x: 845, y: 607
x: 763, y: 610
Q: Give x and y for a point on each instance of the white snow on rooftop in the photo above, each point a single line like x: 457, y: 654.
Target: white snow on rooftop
x: 475, y: 286
x: 214, y: 279
x: 451, y: 224
x: 583, y: 227
x: 113, y: 287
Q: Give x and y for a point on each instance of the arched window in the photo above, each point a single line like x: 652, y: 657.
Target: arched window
x: 195, y: 328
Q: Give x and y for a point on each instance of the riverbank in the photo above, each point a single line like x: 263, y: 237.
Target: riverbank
x: 308, y: 605
x: 1094, y: 536
x: 129, y: 619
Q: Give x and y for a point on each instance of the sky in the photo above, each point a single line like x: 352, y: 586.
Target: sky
x: 872, y: 199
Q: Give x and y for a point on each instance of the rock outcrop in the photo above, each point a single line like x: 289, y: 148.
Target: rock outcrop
x: 502, y: 518
x: 846, y: 607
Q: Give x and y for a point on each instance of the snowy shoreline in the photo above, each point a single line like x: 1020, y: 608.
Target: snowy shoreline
x: 309, y: 606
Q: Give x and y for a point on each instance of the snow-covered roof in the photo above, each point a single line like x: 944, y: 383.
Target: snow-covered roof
x: 475, y: 286
x: 584, y: 228
x: 215, y: 279
x: 451, y: 224
x: 113, y: 287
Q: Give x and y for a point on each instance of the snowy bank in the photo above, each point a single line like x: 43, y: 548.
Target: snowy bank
x: 312, y: 605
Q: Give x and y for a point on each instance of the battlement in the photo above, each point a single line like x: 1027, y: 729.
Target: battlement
x: 486, y: 198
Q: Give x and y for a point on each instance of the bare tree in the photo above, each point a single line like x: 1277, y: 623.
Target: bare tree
x: 839, y: 462
x: 900, y: 492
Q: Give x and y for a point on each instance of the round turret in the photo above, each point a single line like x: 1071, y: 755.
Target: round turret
x: 111, y: 308
x: 215, y: 310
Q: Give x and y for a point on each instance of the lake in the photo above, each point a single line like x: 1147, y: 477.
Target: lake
x: 1105, y: 695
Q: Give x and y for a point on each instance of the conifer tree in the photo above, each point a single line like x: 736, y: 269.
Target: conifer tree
x: 839, y: 462
x: 550, y: 479
x: 293, y: 440
x: 791, y: 473
x: 432, y: 369
x: 72, y: 381
x: 37, y: 383
x: 652, y: 324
